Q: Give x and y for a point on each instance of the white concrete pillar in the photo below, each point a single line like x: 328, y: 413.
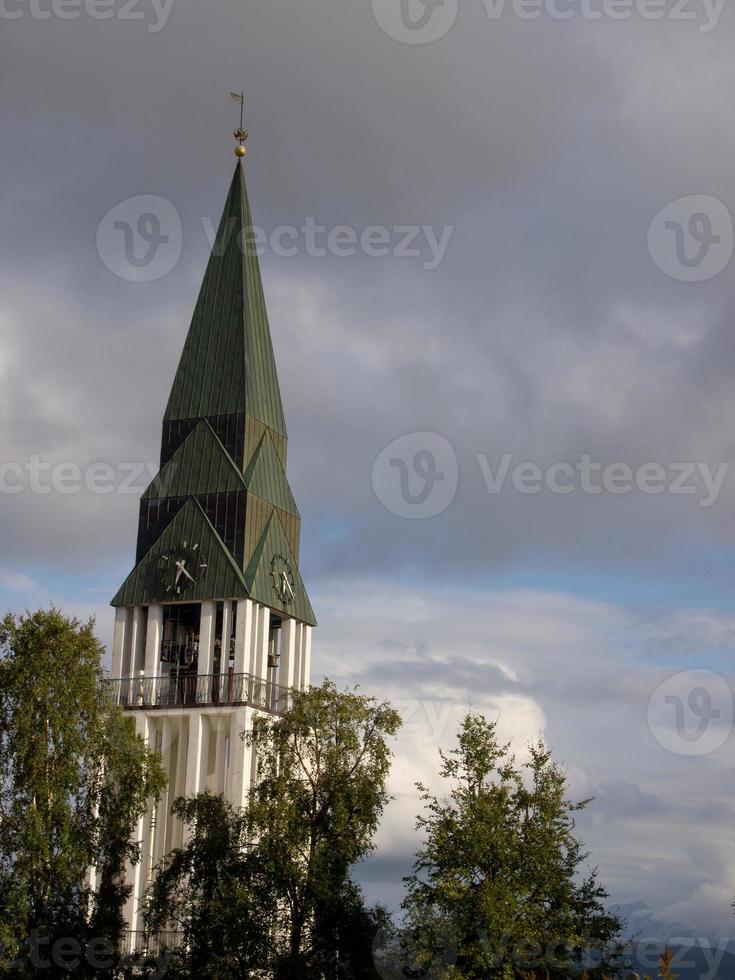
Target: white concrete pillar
x: 226, y: 635
x: 254, y: 634
x: 239, y: 778
x: 243, y: 635
x: 305, y: 678
x: 207, y: 626
x: 260, y: 657
x: 219, y: 756
x: 179, y: 783
x: 120, y: 640
x: 298, y: 649
x: 289, y: 632
x: 167, y: 798
x: 153, y: 637
x: 193, y: 780
x: 132, y: 880
x: 134, y: 875
x: 224, y: 661
x: 208, y: 745
x: 244, y: 630
x: 134, y: 657
x: 135, y: 654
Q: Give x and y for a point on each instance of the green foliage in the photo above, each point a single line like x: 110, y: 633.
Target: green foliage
x: 213, y: 892
x: 74, y: 778
x: 268, y: 889
x: 499, y: 872
x: 131, y: 776
x: 497, y: 890
x: 319, y: 795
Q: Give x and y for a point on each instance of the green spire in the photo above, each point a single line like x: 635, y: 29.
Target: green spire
x: 228, y: 367
x: 223, y: 480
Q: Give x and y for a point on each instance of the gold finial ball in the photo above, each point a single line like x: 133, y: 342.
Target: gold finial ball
x: 240, y: 151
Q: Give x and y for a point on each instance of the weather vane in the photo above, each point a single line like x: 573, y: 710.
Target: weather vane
x: 240, y: 134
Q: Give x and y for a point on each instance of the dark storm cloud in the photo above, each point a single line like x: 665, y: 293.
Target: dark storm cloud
x: 545, y: 332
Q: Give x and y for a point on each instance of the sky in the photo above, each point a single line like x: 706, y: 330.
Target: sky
x: 497, y: 252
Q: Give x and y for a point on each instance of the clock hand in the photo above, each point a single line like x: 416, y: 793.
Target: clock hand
x: 181, y: 566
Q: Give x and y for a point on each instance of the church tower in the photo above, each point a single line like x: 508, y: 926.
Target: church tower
x: 213, y: 625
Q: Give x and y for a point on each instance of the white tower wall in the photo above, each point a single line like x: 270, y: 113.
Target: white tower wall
x: 197, y: 727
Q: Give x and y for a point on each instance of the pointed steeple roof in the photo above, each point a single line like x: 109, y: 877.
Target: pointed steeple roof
x: 227, y: 366
x: 223, y: 479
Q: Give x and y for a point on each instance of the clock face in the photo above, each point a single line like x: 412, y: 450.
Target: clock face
x: 283, y: 579
x: 177, y: 570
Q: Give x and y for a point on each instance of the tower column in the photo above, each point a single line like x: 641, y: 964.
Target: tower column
x: 133, y: 653
x: 243, y: 635
x: 158, y: 849
x: 179, y: 784
x: 153, y: 637
x: 240, y: 757
x: 224, y: 660
x: 304, y: 680
x: 289, y: 634
x: 219, y: 756
x: 134, y: 872
x: 194, y: 755
x: 244, y: 629
x: 121, y: 637
x: 205, y: 669
x: 259, y: 668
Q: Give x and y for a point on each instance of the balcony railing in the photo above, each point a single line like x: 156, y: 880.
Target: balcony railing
x: 205, y: 690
